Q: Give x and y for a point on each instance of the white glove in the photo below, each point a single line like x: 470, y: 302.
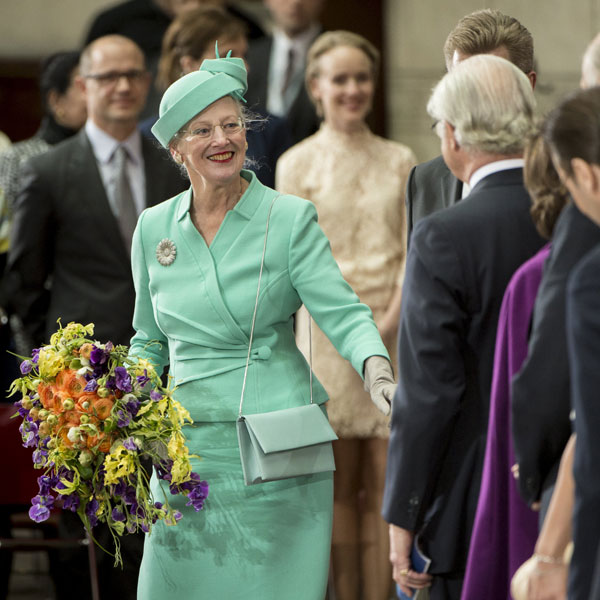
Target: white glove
x: 379, y: 382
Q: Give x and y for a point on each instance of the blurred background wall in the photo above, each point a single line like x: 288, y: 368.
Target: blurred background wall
x: 410, y: 34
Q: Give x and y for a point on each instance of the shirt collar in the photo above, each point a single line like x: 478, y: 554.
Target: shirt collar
x: 299, y: 43
x: 246, y: 207
x: 104, y: 145
x: 495, y: 167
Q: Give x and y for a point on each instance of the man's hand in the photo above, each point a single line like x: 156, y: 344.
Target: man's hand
x: 400, y: 548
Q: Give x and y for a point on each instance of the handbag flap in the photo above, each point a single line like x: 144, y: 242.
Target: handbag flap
x: 290, y: 428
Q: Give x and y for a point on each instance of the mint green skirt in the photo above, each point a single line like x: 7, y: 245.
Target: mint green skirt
x: 264, y: 542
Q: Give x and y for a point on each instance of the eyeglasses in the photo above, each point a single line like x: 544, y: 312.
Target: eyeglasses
x: 205, y: 131
x: 112, y: 77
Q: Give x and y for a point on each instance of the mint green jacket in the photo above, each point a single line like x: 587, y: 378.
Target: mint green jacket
x: 195, y: 314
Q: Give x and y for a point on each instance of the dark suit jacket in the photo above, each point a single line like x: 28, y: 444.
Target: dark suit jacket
x: 302, y: 117
x: 431, y: 186
x: 459, y: 264
x: 65, y: 235
x: 540, y: 391
x: 583, y: 337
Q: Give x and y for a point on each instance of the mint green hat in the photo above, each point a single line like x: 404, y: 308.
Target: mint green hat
x: 190, y: 95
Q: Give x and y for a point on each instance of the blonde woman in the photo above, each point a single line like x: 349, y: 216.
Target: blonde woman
x: 356, y: 181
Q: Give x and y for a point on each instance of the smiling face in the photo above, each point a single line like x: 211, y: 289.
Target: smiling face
x: 344, y: 87
x: 117, y: 102
x: 217, y: 159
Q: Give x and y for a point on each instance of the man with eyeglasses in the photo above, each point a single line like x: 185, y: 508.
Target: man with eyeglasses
x: 74, y: 217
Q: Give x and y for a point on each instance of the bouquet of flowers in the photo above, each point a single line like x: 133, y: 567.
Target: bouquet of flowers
x: 92, y: 414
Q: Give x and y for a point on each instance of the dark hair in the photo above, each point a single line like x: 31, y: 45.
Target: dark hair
x: 57, y: 74
x: 192, y: 34
x: 572, y: 129
x: 485, y: 30
x: 548, y: 194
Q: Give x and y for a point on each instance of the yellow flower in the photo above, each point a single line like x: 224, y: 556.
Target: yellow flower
x: 179, y: 453
x: 50, y: 362
x: 118, y: 463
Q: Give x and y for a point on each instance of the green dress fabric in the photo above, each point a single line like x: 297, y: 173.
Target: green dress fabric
x: 269, y: 541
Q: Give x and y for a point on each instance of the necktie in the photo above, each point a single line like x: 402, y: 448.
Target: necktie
x: 289, y: 72
x: 126, y: 211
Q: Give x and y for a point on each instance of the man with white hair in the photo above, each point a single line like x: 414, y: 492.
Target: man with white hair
x: 459, y: 264
x: 590, y: 65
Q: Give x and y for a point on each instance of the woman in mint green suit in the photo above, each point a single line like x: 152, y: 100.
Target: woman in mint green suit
x: 196, y: 260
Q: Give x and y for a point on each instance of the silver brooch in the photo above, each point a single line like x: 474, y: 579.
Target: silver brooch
x: 166, y: 252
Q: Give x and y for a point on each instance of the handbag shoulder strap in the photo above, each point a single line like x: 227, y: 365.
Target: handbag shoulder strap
x: 262, y: 264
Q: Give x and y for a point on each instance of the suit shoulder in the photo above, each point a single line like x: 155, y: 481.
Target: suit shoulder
x: 259, y: 46
x: 432, y: 168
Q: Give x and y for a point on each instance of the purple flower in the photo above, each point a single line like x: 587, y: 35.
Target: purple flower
x: 90, y: 511
x: 35, y: 355
x: 119, y: 489
x: 124, y: 418
x: 46, y: 483
x: 122, y: 379
x: 130, y: 444
x: 29, y: 433
x: 155, y: 395
x: 143, y: 379
x: 186, y: 486
x: 40, y: 507
x: 98, y: 357
x: 71, y: 502
x: 198, y: 495
x: 117, y: 515
x: 109, y: 347
x: 163, y: 470
x: 131, y: 528
x: 39, y: 457
x: 91, y: 386
x: 26, y: 367
x: 178, y: 516
x: 133, y: 407
x: 129, y: 496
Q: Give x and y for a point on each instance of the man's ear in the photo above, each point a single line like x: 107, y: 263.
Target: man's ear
x: 450, y: 133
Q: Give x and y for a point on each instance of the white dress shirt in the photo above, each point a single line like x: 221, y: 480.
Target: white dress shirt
x: 104, y: 146
x: 495, y: 167
x: 277, y: 103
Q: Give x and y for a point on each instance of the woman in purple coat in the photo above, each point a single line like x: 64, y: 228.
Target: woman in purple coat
x: 505, y: 528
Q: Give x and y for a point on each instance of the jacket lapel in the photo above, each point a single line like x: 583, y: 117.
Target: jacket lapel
x: 84, y: 170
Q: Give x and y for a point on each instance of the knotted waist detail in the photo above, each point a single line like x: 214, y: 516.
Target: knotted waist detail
x: 208, y: 362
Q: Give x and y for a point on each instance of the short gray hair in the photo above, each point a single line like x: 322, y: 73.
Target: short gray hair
x: 489, y: 102
x: 590, y: 66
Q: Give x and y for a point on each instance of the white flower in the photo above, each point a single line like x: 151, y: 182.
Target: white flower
x: 73, y: 434
x: 166, y: 252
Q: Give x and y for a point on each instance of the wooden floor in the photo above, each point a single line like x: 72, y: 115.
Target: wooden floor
x: 29, y: 579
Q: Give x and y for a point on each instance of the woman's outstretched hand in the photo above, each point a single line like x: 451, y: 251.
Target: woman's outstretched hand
x: 379, y: 382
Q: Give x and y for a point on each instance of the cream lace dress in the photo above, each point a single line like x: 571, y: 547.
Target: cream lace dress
x: 357, y: 182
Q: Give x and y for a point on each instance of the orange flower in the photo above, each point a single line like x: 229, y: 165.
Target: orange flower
x: 101, y: 442
x: 103, y: 406
x: 89, y: 398
x: 63, y: 433
x: 60, y: 378
x: 86, y: 350
x: 73, y: 384
x: 46, y: 392
x: 59, y: 397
